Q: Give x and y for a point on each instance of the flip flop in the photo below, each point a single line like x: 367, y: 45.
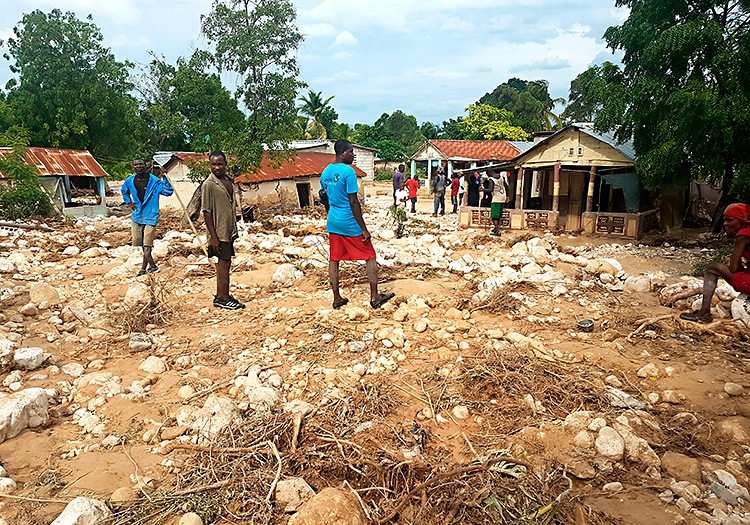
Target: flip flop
x: 694, y: 317
x: 153, y: 269
x: 339, y: 304
x: 141, y: 272
x: 382, y: 299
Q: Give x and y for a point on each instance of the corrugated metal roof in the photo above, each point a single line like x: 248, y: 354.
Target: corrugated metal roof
x: 626, y: 148
x: 522, y: 146
x: 303, y: 164
x: 56, y: 162
x: 477, y: 149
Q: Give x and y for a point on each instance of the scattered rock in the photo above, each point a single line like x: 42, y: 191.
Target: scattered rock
x: 650, y: 370
x: 41, y: 292
x: 28, y: 358
x: 139, y: 342
x: 153, y: 365
x: 73, y: 369
x: 615, y: 486
x: 24, y: 409
x: 330, y: 507
x: 609, y: 444
x: 123, y: 497
x: 460, y: 412
x: 291, y: 494
x: 736, y: 428
x: 137, y: 293
x: 191, y: 518
x: 687, y: 490
x: 217, y: 414
x: 286, y: 274
x: 356, y: 313
x: 7, y: 266
x: 637, y: 284
x: 29, y: 310
x: 7, y: 486
x: 84, y: 511
x: 681, y: 467
x: 733, y: 389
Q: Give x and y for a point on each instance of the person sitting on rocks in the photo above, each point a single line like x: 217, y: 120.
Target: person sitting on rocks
x: 737, y: 274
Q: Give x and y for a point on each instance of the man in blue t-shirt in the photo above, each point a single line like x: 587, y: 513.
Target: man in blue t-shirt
x: 348, y: 237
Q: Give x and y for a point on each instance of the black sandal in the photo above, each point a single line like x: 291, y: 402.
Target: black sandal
x: 382, y: 299
x: 695, y: 318
x: 339, y: 304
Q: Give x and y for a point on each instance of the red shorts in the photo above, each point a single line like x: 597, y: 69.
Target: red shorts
x: 344, y: 248
x: 741, y: 282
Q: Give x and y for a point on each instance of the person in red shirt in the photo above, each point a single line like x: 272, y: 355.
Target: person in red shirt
x: 737, y: 274
x: 413, y: 185
x: 454, y: 192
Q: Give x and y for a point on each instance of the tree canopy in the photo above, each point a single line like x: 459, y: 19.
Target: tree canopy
x: 485, y: 122
x: 529, y: 102
x: 683, y: 95
x: 71, y: 92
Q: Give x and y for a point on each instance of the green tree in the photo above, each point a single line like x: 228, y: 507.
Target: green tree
x: 390, y: 150
x: 485, y: 122
x: 258, y: 40
x: 402, y: 128
x: 70, y: 91
x: 429, y: 130
x: 599, y: 93
x: 341, y: 130
x: 684, y: 97
x: 321, y: 114
x: 184, y: 103
x: 529, y: 102
x: 451, y: 130
x: 22, y: 196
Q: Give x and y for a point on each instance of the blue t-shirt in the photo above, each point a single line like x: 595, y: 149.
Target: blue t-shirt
x: 339, y: 180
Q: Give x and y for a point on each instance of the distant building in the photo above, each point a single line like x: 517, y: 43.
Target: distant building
x: 74, y: 179
x: 364, y: 158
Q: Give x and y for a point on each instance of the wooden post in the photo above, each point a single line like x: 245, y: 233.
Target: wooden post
x: 590, y: 194
x: 519, y: 189
x: 556, y: 189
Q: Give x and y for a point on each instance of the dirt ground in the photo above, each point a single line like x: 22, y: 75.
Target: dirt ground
x: 395, y: 426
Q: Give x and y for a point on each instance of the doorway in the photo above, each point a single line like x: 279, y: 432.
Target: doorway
x: 303, y: 194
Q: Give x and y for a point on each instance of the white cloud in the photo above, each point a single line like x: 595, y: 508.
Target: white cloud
x: 318, y: 30
x: 457, y: 24
x: 339, y: 77
x: 344, y: 39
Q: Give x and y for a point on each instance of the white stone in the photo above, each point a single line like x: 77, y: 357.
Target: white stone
x: 741, y: 308
x: 28, y: 358
x: 355, y: 313
x: 84, y: 511
x: 531, y: 269
x: 191, y: 518
x: 91, y: 252
x: 460, y: 412
x: 7, y: 266
x: 7, y: 486
x: 386, y: 235
x: 286, y: 274
x: 583, y: 440
x: 137, y: 293
x: 615, y: 486
x: 609, y: 444
x: 73, y: 369
x: 153, y: 365
x: 41, y: 292
x: 72, y: 250
x: 637, y: 284
x: 650, y: 370
x: 185, y: 391
x: 291, y: 494
x: 217, y: 414
x: 161, y: 249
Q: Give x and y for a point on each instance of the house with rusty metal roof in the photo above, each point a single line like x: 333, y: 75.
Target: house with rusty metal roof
x: 290, y: 181
x: 73, y: 178
x: 462, y: 154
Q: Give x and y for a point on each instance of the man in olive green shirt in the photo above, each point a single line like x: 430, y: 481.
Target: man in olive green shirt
x: 217, y: 204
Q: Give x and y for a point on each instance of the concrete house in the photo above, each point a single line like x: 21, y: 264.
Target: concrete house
x: 73, y: 178
x: 464, y: 154
x: 575, y: 180
x: 364, y: 158
x: 293, y: 182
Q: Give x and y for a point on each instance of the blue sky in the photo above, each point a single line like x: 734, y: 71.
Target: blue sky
x: 429, y: 58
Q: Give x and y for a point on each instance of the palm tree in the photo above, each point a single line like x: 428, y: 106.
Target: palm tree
x: 551, y: 120
x: 314, y: 106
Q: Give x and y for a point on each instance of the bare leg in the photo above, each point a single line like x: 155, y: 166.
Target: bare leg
x: 710, y: 280
x: 222, y: 278
x: 372, y: 277
x: 333, y: 276
x: 148, y: 258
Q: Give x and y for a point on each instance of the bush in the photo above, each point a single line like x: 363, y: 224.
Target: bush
x: 21, y: 194
x: 384, y: 174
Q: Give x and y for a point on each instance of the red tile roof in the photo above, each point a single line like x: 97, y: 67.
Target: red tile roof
x: 302, y: 164
x: 56, y: 161
x: 477, y: 149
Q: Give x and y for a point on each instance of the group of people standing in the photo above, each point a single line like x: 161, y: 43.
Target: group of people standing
x: 484, y: 191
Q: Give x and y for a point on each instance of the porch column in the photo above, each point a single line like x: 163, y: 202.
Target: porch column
x: 556, y: 189
x: 413, y: 168
x: 519, y: 189
x: 450, y: 169
x: 590, y: 194
x: 429, y: 173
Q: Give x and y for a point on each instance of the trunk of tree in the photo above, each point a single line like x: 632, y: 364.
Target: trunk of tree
x: 717, y: 222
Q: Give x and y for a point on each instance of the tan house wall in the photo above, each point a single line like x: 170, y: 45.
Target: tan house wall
x: 594, y: 152
x: 429, y: 152
x: 183, y: 186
